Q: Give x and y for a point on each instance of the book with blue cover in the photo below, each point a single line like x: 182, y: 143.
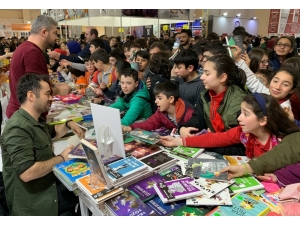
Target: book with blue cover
x: 144, y: 189
x: 127, y: 204
x: 242, y: 205
x: 68, y: 172
x: 124, y: 167
x: 163, y: 209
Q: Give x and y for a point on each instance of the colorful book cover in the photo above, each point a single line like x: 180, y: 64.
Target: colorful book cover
x: 140, y: 149
x: 162, y: 131
x: 145, y: 136
x: 144, y: 189
x: 174, y: 190
x: 190, y: 211
x: 169, y: 170
x: 127, y: 204
x: 243, y: 205
x: 184, y: 153
x: 95, y: 188
x: 124, y: 167
x: 208, y: 168
x: 261, y: 198
x: 222, y: 198
x: 236, y: 160
x: 163, y: 209
x: 157, y: 160
x: 111, y: 159
x: 272, y: 197
x: 244, y: 184
x: 173, y: 175
x: 78, y: 152
x: 73, y: 169
x: 211, y: 187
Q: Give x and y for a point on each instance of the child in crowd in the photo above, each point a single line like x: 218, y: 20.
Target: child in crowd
x: 171, y: 110
x: 262, y: 124
x: 134, y: 98
x: 107, y: 73
x: 134, y: 48
x: 186, y: 75
x: 142, y: 58
x: 218, y: 107
x: 79, y: 80
x: 265, y: 76
x: 114, y: 91
x: 115, y: 55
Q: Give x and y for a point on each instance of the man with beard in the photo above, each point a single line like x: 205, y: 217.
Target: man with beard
x: 29, y: 58
x: 185, y: 39
x: 31, y: 187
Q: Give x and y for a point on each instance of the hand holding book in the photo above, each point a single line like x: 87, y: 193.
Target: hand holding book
x: 237, y: 171
x: 170, y: 141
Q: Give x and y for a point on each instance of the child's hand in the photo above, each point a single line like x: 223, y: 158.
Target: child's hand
x: 59, y: 69
x: 170, y: 141
x: 268, y: 177
x: 236, y: 52
x: 96, y: 100
x: 126, y: 129
x: 290, y: 113
x: 98, y: 91
x: 102, y: 86
x: 148, y: 83
x: 140, y: 76
x: 186, y: 131
x: 64, y: 63
x: 246, y: 58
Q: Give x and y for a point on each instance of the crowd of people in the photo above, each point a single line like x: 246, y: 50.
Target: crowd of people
x: 249, y: 103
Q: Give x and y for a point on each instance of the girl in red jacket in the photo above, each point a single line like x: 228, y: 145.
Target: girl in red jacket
x: 171, y: 110
x: 262, y: 124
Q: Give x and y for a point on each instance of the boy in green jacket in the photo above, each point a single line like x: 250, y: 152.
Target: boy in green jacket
x: 134, y: 99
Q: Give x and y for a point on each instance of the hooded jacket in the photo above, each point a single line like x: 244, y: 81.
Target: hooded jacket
x: 136, y: 105
x: 160, y: 119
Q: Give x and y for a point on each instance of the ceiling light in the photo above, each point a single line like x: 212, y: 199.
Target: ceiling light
x: 238, y: 15
x: 225, y: 14
x: 254, y: 17
x: 28, y: 22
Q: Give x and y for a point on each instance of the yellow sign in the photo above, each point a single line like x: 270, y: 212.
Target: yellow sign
x: 121, y: 29
x: 185, y: 26
x: 165, y: 27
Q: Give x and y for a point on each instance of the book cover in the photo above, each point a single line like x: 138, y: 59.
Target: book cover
x: 145, y: 136
x: 163, y: 209
x: 144, y: 189
x: 245, y: 183
x: 157, y: 160
x: 184, y: 153
x: 208, y: 168
x: 174, y: 190
x: 243, y: 205
x: 162, y: 131
x: 169, y: 170
x: 190, y: 211
x: 222, y: 198
x: 173, y: 175
x: 73, y: 169
x: 78, y: 152
x: 94, y: 158
x: 236, y: 160
x: 94, y: 188
x: 211, y: 187
x: 124, y: 167
x: 127, y: 204
x: 140, y: 149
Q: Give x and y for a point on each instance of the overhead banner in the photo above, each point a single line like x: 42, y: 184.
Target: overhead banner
x: 104, y: 12
x: 289, y: 22
x: 179, y: 14
x: 140, y: 12
x: 274, y: 21
x: 71, y: 14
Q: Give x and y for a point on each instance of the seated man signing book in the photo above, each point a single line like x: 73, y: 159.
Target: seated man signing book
x: 31, y: 187
x: 171, y: 110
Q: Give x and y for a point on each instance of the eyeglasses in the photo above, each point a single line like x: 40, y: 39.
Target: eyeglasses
x: 264, y: 62
x: 283, y: 45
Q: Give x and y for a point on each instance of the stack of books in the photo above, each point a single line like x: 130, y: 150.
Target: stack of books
x: 184, y: 153
x: 68, y: 172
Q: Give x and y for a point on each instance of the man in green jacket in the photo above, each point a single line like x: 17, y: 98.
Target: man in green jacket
x: 134, y: 100
x: 27, y: 153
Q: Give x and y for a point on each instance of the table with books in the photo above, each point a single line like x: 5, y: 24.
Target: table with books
x: 143, y: 178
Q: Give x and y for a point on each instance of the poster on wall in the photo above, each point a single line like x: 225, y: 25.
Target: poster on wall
x: 148, y: 31
x: 137, y: 32
x: 180, y: 14
x: 71, y: 14
x: 140, y: 12
x: 289, y: 22
x: 274, y: 21
x: 204, y: 22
